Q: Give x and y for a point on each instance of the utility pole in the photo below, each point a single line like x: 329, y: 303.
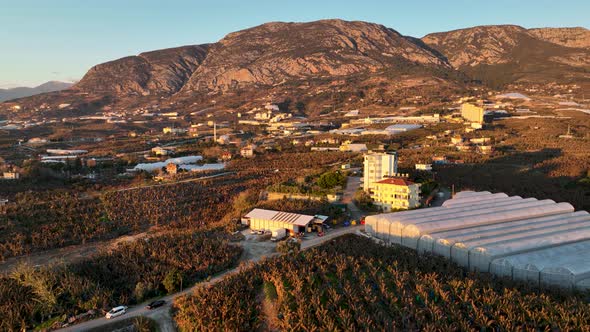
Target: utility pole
x: 214, y: 131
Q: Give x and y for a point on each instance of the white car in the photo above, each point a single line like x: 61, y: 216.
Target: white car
x: 116, y: 312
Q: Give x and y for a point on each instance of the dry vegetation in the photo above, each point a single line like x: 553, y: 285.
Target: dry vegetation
x: 128, y: 274
x: 38, y: 221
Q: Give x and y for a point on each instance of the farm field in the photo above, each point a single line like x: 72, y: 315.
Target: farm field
x: 353, y: 284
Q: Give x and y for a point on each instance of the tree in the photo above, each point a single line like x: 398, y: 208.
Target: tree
x: 144, y: 324
x: 140, y: 291
x: 289, y: 246
x: 172, y: 281
x: 331, y: 180
x: 363, y: 200
x: 300, y: 106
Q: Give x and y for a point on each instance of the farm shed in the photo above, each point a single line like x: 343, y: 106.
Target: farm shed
x: 262, y: 219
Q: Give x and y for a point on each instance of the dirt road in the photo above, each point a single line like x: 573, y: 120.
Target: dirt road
x: 74, y: 253
x: 70, y: 254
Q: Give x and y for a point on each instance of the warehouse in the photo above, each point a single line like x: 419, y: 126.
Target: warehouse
x: 270, y: 220
x: 522, y: 238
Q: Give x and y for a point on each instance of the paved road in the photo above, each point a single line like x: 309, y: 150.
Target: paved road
x: 352, y: 184
x: 140, y: 310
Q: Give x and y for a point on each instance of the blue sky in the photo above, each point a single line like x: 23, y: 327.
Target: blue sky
x: 61, y: 39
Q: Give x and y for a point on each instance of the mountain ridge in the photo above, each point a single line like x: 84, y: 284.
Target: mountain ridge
x: 326, y: 47
x: 276, y: 53
x: 501, y: 54
x: 21, y: 92
x: 164, y: 70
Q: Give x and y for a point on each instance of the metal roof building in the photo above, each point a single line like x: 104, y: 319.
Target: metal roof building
x: 526, y: 239
x: 262, y: 219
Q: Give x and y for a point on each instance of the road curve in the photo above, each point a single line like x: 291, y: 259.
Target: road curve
x: 140, y: 310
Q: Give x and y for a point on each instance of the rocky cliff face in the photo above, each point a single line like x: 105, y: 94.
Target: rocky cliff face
x: 505, y: 53
x: 478, y: 45
x: 570, y: 37
x: 329, y: 50
x: 163, y: 71
x: 278, y: 52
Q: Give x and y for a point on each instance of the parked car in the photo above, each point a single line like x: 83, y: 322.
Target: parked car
x: 346, y: 224
x: 320, y: 233
x: 116, y: 312
x: 155, y: 304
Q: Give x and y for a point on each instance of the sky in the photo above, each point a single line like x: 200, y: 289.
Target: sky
x: 61, y: 39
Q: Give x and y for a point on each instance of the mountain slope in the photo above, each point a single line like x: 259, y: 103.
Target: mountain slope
x: 162, y: 71
x: 507, y: 53
x: 20, y: 92
x: 276, y: 52
x: 570, y: 37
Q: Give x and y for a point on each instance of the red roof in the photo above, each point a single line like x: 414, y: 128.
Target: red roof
x: 397, y: 181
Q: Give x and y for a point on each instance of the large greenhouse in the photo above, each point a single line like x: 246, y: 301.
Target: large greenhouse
x: 522, y: 238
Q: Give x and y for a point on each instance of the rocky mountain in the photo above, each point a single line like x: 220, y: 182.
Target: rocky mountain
x: 163, y: 71
x: 359, y: 55
x: 265, y: 55
x: 277, y: 52
x: 570, y: 37
x: 20, y: 92
x: 506, y: 53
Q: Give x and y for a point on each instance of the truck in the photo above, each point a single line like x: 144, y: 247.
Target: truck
x: 278, y: 234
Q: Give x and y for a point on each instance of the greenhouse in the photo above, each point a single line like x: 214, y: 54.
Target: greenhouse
x: 522, y: 238
x: 562, y: 265
x: 384, y: 225
x: 493, y: 215
x: 440, y: 243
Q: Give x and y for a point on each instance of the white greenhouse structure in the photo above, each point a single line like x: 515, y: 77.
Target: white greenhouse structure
x: 540, y: 241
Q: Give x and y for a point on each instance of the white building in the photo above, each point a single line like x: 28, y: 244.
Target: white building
x: 11, y: 175
x: 160, y: 151
x: 377, y: 166
x: 424, y: 167
x: 271, y: 220
x: 350, y: 147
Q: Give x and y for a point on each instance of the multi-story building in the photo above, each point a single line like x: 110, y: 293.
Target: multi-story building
x: 424, y: 167
x: 472, y: 113
x: 396, y: 194
x: 378, y: 166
